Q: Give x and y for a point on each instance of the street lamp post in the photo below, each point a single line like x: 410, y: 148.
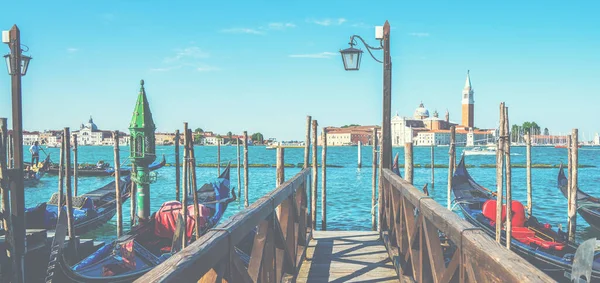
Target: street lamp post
x: 17, y: 65
x: 351, y: 58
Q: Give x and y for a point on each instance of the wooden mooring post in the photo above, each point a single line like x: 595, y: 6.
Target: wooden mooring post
x: 61, y: 175
x: 246, y: 202
x: 70, y: 219
x: 184, y: 195
x: 280, y: 172
x: 75, y: 166
x: 177, y: 165
x: 374, y: 182
x: 432, y: 165
x: 119, y: 199
x: 194, y: 184
x: 451, y: 163
x: 508, y: 176
x: 408, y: 162
x: 324, y: 180
x: 499, y: 171
x: 4, y: 174
x: 133, y: 194
x: 239, y: 166
x: 315, y: 177
x: 574, y: 158
x: 307, y: 143
x: 218, y: 157
x: 529, y: 187
x: 9, y: 152
x: 359, y: 161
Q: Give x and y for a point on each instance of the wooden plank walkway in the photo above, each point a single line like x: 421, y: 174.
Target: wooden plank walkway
x: 347, y: 256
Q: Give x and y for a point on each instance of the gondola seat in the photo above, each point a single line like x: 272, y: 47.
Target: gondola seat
x: 489, y: 211
x: 166, y: 219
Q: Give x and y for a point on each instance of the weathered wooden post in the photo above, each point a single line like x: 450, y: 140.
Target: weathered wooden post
x: 307, y: 143
x: 280, y: 173
x: 70, y: 219
x: 499, y: 179
x: 574, y: 184
x: 75, y: 166
x: 61, y: 176
x: 4, y: 175
x: 408, y: 162
x: 569, y: 181
x: 529, y: 189
x: 177, y: 165
x: 374, y: 182
x: 315, y: 176
x: 239, y: 175
x: 132, y: 199
x: 9, y: 152
x: 218, y: 157
x: 508, y: 176
x: 186, y: 182
x: 359, y: 154
x: 143, y: 151
x: 118, y: 185
x: 324, y: 180
x: 246, y: 202
x: 451, y: 163
x: 194, y: 185
x: 432, y: 165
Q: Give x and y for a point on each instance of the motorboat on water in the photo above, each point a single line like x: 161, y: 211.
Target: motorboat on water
x: 480, y: 151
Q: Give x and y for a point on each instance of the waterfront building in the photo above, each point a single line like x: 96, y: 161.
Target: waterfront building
x: 471, y: 137
x: 350, y: 135
x: 89, y: 134
x: 30, y: 138
x: 596, y: 140
x: 549, y: 139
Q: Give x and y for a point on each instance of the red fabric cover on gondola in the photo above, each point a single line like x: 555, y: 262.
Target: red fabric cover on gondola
x: 489, y: 211
x: 166, y: 219
x: 518, y: 217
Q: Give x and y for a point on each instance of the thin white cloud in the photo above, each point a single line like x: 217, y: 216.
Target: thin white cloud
x: 322, y: 55
x: 419, y: 34
x: 72, y: 50
x: 280, y: 26
x: 327, y: 22
x: 207, y: 68
x: 187, y: 53
x: 165, y: 69
x: 243, y: 31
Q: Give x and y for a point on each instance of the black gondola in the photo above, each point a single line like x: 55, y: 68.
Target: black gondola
x: 94, y: 171
x: 146, y: 245
x: 538, y: 243
x: 587, y: 206
x: 33, y: 174
x: 90, y: 210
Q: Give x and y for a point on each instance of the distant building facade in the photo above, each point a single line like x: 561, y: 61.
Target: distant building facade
x: 350, y: 135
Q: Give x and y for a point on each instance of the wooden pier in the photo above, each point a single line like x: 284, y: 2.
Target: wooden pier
x: 347, y: 256
x: 272, y: 241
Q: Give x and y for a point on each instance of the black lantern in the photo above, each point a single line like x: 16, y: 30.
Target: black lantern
x: 24, y: 64
x: 351, y: 58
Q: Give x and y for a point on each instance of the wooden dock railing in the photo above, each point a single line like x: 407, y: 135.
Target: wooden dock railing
x: 420, y: 235
x: 276, y: 227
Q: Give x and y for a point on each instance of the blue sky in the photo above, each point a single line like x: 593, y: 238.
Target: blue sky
x: 264, y: 65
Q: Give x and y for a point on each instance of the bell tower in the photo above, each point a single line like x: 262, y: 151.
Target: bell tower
x: 468, y: 104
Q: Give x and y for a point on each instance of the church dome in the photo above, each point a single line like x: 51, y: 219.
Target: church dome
x: 421, y: 112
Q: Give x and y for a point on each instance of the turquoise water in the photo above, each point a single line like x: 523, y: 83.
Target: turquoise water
x: 348, y: 188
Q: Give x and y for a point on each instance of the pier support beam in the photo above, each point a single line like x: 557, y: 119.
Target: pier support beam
x: 499, y: 171
x: 119, y: 201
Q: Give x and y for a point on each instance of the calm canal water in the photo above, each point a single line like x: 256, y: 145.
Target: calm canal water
x: 348, y: 188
